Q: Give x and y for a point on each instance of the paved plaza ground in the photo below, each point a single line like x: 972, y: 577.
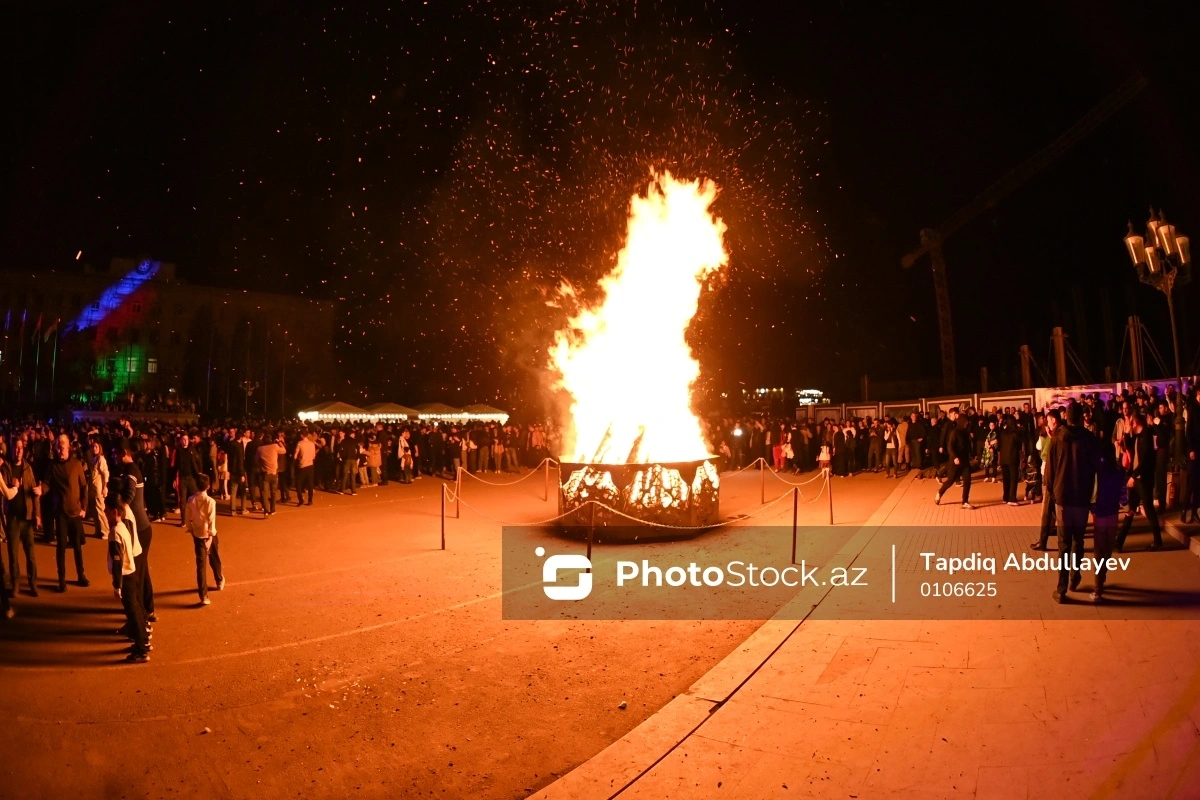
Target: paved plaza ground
x: 350, y: 656
x: 1078, y: 702
x: 347, y: 655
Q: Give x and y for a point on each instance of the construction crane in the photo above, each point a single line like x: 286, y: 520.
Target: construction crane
x: 932, y: 238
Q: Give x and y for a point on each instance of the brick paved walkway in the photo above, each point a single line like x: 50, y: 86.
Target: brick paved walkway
x: 1048, y: 707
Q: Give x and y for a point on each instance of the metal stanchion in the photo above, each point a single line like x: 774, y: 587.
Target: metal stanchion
x: 829, y: 491
x: 762, y: 479
x: 795, y: 514
x: 443, y: 516
x: 457, y: 492
x: 546, y: 482
x: 591, y: 529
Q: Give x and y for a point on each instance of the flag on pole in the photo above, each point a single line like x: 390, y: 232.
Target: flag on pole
x: 7, y: 321
x: 37, y: 329
x: 50, y: 331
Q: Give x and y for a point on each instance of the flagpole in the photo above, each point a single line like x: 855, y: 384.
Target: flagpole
x: 54, y: 365
x: 7, y: 358
x: 21, y: 363
x: 37, y: 363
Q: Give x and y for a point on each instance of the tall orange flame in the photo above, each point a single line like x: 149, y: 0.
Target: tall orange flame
x: 625, y: 362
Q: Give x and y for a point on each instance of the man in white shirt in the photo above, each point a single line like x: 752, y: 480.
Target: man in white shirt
x: 202, y: 524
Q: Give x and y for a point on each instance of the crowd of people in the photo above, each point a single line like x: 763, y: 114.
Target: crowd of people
x: 116, y: 480
x: 1093, y: 458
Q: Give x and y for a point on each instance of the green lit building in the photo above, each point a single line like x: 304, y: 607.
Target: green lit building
x: 136, y: 331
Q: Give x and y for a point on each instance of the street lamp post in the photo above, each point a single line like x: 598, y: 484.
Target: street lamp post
x: 1163, y: 259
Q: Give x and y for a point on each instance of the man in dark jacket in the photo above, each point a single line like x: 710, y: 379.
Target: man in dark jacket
x: 68, y: 490
x: 1071, y: 476
x: 20, y: 514
x: 348, y: 452
x: 916, y: 441
x: 1011, y: 442
x: 946, y: 428
x: 1141, y: 481
x: 958, y: 461
x: 187, y: 467
x: 235, y: 454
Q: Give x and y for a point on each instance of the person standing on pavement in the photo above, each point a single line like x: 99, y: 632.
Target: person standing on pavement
x: 202, y: 524
x: 123, y: 552
x: 6, y: 581
x: 20, y: 513
x: 187, y: 469
x: 68, y: 491
x: 1142, y: 460
x: 98, y: 477
x: 1072, y: 474
x: 348, y: 451
x: 305, y: 456
x: 1110, y: 493
x: 1011, y: 438
x: 235, y: 451
x: 268, y: 454
x: 132, y: 483
x: 958, y: 459
x: 1045, y: 445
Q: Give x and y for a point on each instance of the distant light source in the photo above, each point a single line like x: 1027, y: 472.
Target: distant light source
x: 737, y: 431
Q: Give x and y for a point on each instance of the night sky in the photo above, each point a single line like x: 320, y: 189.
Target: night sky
x: 438, y: 168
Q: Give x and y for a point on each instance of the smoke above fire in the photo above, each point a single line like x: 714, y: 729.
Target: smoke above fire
x: 625, y: 361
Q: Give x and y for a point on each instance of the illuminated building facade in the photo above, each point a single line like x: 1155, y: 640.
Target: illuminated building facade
x: 137, y: 331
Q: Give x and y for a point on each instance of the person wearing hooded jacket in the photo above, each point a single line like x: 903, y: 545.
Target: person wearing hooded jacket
x: 958, y: 461
x: 123, y: 552
x: 1071, y: 471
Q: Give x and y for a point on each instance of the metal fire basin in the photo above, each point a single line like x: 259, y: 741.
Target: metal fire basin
x: 641, y: 491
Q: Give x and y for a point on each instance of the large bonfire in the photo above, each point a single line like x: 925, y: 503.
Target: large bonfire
x: 625, y: 362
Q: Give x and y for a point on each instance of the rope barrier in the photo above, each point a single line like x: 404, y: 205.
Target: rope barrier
x: 456, y: 497
x: 532, y: 472
x: 514, y: 524
x: 817, y: 477
x: 722, y: 524
x: 620, y: 513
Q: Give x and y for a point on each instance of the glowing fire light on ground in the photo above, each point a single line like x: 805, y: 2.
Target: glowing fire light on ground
x: 625, y: 362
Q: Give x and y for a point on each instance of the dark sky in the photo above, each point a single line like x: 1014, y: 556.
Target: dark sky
x: 438, y: 168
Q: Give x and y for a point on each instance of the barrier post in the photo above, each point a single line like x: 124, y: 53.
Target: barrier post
x: 443, y: 516
x: 591, y: 530
x: 795, y: 514
x: 762, y: 479
x: 458, y: 492
x: 546, y: 482
x: 829, y: 491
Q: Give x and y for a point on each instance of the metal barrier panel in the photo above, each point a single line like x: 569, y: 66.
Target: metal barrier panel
x: 902, y: 409
x: 863, y: 410
x: 1002, y: 399
x: 936, y: 404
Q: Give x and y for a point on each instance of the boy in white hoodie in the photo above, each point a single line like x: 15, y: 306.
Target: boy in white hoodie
x: 202, y: 524
x: 123, y: 550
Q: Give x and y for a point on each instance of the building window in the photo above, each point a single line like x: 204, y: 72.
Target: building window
x: 131, y: 364
x: 137, y: 306
x: 151, y: 365
x: 154, y: 336
x: 175, y: 338
x: 112, y: 334
x: 135, y: 335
